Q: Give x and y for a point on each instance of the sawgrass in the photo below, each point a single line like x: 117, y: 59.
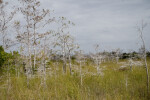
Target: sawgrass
x: 113, y: 84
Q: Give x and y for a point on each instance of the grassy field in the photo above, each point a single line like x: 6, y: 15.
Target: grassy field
x: 113, y: 83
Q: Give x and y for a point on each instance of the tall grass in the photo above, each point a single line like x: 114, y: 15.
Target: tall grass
x: 113, y: 84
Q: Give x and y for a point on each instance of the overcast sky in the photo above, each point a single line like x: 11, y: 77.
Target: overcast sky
x: 109, y: 23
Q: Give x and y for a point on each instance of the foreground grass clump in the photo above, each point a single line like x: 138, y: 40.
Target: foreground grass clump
x: 112, y: 84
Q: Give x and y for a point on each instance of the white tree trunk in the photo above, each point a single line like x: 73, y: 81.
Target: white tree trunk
x: 70, y: 65
x: 81, y: 73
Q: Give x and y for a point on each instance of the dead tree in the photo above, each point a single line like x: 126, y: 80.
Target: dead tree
x: 71, y: 46
x: 117, y: 55
x: 38, y: 19
x: 80, y: 58
x: 5, y: 19
x: 63, y: 37
x: 44, y: 57
x: 141, y: 32
x: 130, y: 60
x: 97, y: 58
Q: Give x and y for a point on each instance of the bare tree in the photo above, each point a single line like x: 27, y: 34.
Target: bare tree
x: 71, y: 46
x: 141, y: 32
x: 36, y: 20
x: 24, y: 34
x: 29, y: 34
x: 5, y: 19
x: 97, y: 58
x: 63, y: 39
x: 38, y: 17
x: 117, y: 54
x: 80, y: 58
x: 130, y: 59
x: 45, y: 46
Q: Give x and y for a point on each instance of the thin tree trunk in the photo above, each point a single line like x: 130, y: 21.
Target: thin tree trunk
x: 3, y: 32
x: 97, y: 65
x: 44, y: 79
x: 70, y: 64
x: 145, y: 59
x: 64, y: 59
x: 34, y: 57
x: 34, y: 26
x: 147, y: 75
x: 28, y: 71
x: 80, y: 73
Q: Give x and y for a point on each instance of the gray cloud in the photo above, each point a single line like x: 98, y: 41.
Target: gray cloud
x: 110, y: 23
